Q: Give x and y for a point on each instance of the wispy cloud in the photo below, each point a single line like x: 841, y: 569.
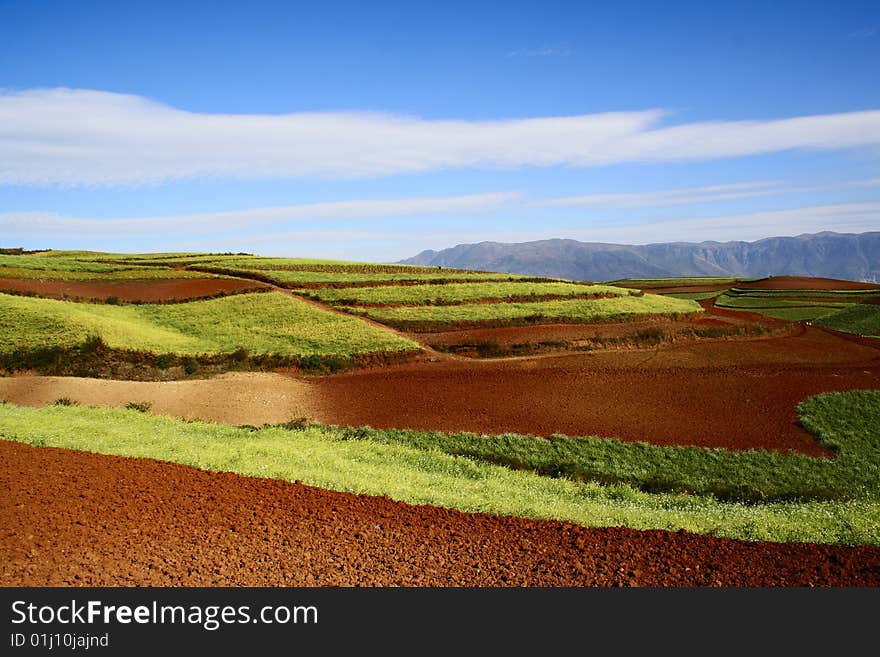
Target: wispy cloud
x: 696, y: 195
x: 864, y: 33
x: 78, y: 137
x: 559, y: 50
x: 58, y: 225
x: 840, y: 217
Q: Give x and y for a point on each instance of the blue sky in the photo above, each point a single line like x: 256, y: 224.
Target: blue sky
x: 372, y: 131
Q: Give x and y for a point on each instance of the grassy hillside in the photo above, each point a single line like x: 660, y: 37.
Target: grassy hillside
x: 269, y: 323
x: 347, y: 461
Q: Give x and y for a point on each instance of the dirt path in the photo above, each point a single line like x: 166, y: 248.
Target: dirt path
x: 71, y: 518
x: 236, y: 398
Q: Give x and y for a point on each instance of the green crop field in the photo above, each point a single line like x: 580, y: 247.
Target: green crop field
x: 798, y: 313
x: 309, y: 264
x: 671, y: 282
x: 117, y: 275
x: 693, y: 296
x: 863, y: 319
x: 294, y: 277
x: 455, y: 293
x: 284, y: 272
x: 793, y: 305
x: 66, y: 268
x: 269, y: 323
x: 575, y: 310
x: 359, y: 462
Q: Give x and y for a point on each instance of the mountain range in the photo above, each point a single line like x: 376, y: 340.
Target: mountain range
x: 830, y: 255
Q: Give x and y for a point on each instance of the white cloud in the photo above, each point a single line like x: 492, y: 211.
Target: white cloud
x: 58, y: 225
x: 682, y: 196
x: 80, y: 137
x: 694, y: 195
x: 841, y: 218
x: 864, y: 33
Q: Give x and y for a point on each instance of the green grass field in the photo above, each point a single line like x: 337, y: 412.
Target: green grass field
x: 86, y: 265
x: 792, y: 305
x: 117, y: 276
x: 674, y: 282
x: 292, y: 278
x: 863, y: 319
x: 693, y: 296
x: 345, y: 461
x: 577, y: 310
x: 455, y: 293
x: 269, y: 323
x: 317, y: 265
x: 63, y: 267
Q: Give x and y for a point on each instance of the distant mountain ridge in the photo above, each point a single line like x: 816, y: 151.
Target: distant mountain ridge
x: 829, y: 255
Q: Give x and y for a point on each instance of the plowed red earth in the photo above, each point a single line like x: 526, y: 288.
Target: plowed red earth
x: 71, y: 518
x: 511, y: 335
x: 679, y: 289
x: 805, y: 283
x: 152, y: 290
x: 735, y: 394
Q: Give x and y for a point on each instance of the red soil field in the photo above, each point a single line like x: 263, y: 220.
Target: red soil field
x: 805, y: 283
x: 76, y: 519
x: 572, y: 333
x: 735, y: 394
x: 179, y: 289
x: 681, y: 289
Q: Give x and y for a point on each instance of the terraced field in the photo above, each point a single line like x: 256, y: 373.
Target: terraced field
x: 669, y: 405
x: 585, y: 311
x: 459, y: 293
x: 801, y: 304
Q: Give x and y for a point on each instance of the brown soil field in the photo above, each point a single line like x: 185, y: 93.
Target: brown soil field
x: 76, y: 519
x: 129, y: 291
x: 805, y: 283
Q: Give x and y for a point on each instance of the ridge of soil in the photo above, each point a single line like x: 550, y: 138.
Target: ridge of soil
x: 76, y: 519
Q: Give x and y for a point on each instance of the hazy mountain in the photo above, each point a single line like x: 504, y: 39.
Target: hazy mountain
x: 832, y: 255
